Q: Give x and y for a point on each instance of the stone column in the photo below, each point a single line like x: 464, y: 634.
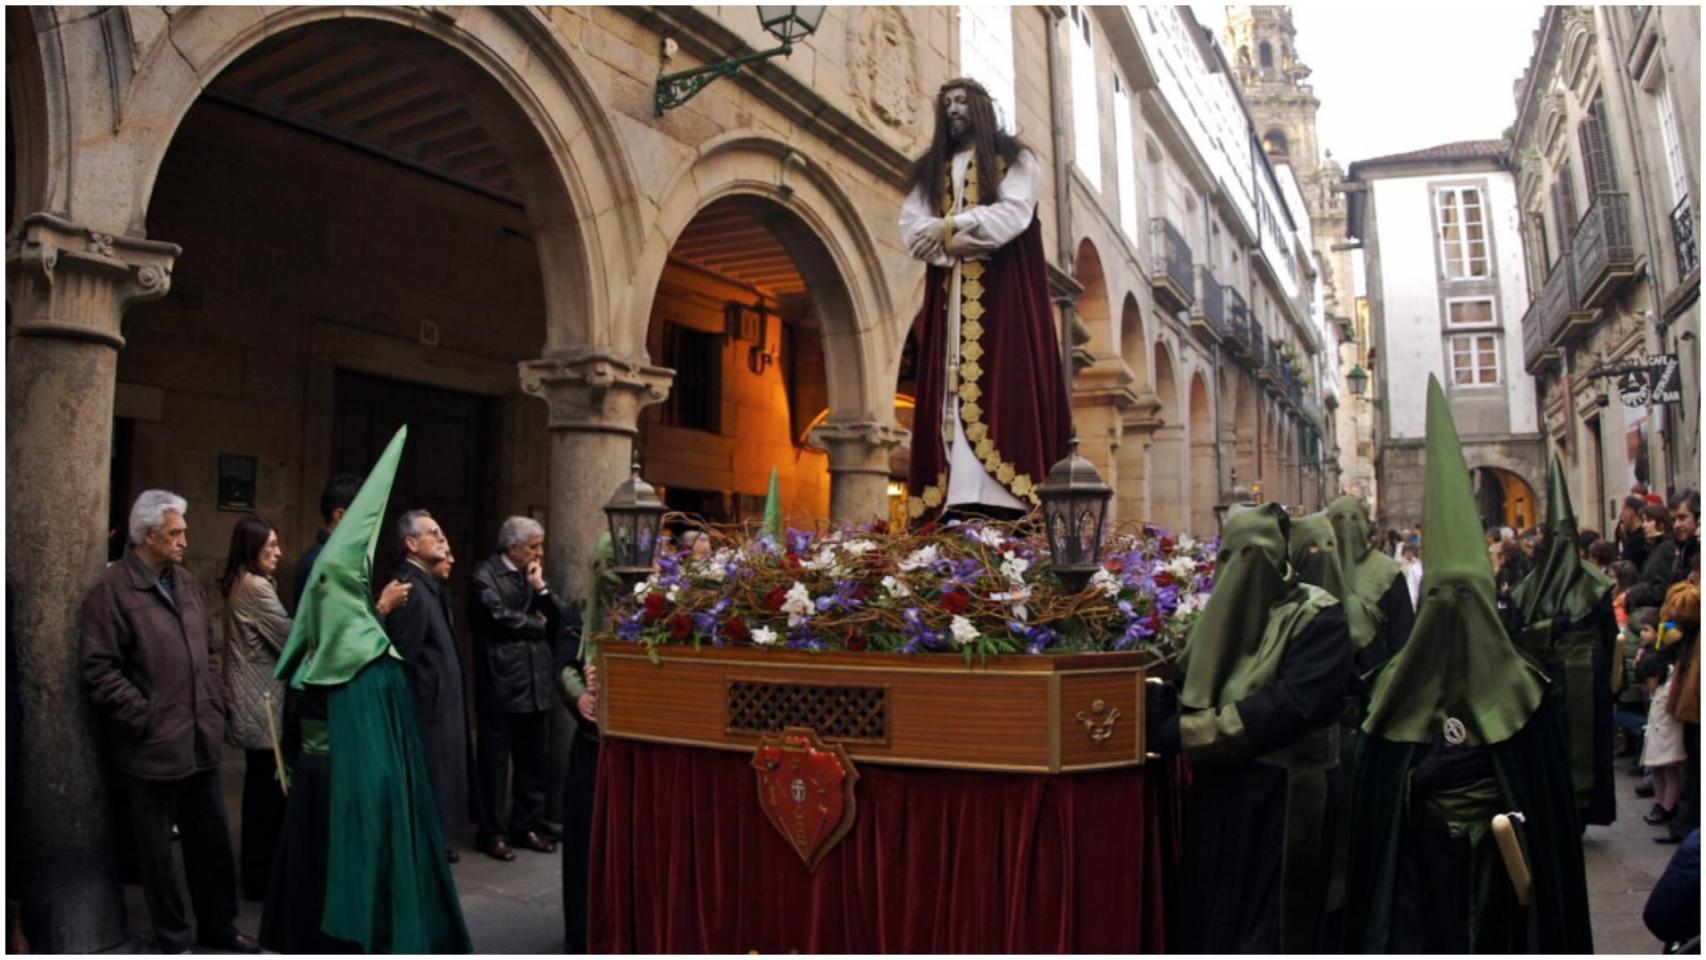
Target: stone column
x: 859, y: 467
x: 595, y: 399
x: 67, y: 289
x: 1102, y: 398
x: 1132, y: 494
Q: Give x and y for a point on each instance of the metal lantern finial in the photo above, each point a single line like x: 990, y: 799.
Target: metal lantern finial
x: 635, y: 513
x: 1075, y: 508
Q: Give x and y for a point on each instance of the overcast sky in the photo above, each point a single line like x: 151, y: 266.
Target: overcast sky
x: 1398, y: 77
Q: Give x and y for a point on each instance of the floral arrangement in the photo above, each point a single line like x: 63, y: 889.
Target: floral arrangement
x: 978, y: 589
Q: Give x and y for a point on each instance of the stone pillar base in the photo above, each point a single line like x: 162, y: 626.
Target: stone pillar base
x: 859, y: 467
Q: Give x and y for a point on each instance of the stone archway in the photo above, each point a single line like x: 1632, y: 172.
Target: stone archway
x: 1093, y: 306
x: 851, y: 304
x: 1138, y: 424
x: 1204, y: 483
x: 1169, y: 501
x: 1505, y: 498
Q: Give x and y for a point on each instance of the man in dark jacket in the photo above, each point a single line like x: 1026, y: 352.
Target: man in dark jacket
x: 516, y: 621
x: 148, y: 664
x: 334, y: 500
x: 424, y: 632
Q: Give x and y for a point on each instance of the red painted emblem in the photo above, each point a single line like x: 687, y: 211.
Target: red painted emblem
x: 806, y: 789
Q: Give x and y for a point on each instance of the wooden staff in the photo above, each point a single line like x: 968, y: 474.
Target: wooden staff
x: 277, y: 750
x: 1511, y: 850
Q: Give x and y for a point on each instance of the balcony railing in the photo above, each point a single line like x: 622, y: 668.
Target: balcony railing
x: 1559, y: 317
x: 1258, y: 346
x: 1537, y: 350
x: 1603, y: 251
x: 1238, y: 323
x: 1208, y: 317
x: 1682, y: 236
x: 1170, y: 271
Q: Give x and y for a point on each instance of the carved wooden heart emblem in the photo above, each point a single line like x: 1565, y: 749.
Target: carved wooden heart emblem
x: 806, y: 789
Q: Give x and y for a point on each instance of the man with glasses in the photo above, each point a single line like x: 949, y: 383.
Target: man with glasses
x: 424, y: 632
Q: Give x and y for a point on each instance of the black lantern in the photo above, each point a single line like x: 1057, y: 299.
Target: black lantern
x: 1358, y: 380
x: 635, y: 513
x: 1075, y: 504
x: 790, y: 24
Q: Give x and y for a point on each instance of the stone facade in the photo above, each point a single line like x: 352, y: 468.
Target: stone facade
x: 1444, y: 262
x: 262, y: 231
x: 1607, y: 150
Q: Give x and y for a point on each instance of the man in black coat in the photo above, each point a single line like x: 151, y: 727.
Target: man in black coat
x: 339, y: 493
x: 516, y: 621
x: 424, y: 632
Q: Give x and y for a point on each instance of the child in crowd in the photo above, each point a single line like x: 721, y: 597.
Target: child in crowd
x: 1663, y: 754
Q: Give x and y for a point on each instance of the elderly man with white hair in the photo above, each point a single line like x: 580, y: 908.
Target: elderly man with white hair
x: 518, y: 624
x: 148, y: 663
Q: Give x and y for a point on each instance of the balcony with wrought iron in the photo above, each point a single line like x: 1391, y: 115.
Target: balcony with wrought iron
x: 1538, y: 354
x: 1208, y: 316
x: 1238, y: 324
x: 1682, y: 237
x: 1560, y: 318
x: 1603, y: 251
x: 1170, y: 267
x: 1258, y: 348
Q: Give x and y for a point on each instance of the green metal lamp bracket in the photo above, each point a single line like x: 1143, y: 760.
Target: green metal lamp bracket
x: 675, y: 89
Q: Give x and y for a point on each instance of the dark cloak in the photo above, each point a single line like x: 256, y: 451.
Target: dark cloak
x: 423, y: 632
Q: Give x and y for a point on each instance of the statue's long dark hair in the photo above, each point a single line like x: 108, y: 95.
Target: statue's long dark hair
x: 991, y: 142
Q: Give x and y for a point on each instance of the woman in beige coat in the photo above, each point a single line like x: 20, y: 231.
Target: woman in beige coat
x: 256, y: 627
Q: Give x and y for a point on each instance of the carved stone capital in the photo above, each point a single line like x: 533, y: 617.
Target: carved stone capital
x: 66, y: 280
x: 860, y: 446
x: 595, y: 391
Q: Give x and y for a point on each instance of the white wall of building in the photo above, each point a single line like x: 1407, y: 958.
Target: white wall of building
x: 1412, y: 335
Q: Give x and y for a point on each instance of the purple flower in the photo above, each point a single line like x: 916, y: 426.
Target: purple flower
x: 706, y: 623
x: 800, y: 638
x: 630, y: 627
x: 799, y: 541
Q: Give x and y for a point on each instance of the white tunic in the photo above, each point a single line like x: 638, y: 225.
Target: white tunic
x: 985, y: 228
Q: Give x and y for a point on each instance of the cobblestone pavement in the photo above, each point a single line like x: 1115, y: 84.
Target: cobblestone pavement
x: 516, y: 907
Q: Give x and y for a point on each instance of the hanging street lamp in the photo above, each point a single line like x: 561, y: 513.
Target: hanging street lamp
x: 787, y: 24
x: 1358, y: 380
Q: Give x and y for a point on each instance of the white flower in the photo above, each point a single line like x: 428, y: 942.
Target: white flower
x: 1013, y: 567
x: 896, y: 587
x: 1021, y: 612
x: 990, y: 537
x: 798, y: 604
x: 673, y: 593
x: 763, y: 636
x: 858, y: 547
x: 643, y: 586
x: 963, y: 630
x: 922, y: 557
x: 1106, y: 582
x: 1190, y: 603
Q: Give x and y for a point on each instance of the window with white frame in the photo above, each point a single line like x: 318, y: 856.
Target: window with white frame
x: 986, y: 55
x: 1462, y: 312
x: 1462, y: 224
x: 1087, y: 139
x: 1125, y: 160
x: 1474, y: 359
x: 1673, y: 146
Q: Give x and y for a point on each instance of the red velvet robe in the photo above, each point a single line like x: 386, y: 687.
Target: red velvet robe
x: 1012, y: 395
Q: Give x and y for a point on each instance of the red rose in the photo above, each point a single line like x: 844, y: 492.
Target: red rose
x: 681, y: 627
x: 1164, y: 578
x: 854, y: 640
x: 862, y: 593
x: 881, y: 526
x: 1166, y: 544
x: 735, y: 630
x: 1115, y: 566
x: 955, y: 602
x: 791, y: 562
x: 928, y: 529
x: 775, y: 598
x: 654, y: 606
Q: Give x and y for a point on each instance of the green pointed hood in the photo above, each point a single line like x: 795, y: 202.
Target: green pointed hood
x: 337, y: 629
x: 1561, y: 587
x: 1256, y: 607
x: 773, y: 509
x: 1458, y: 664
x: 1367, y: 572
x: 1315, y: 555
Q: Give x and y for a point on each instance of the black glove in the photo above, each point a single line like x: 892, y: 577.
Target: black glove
x: 1161, y: 717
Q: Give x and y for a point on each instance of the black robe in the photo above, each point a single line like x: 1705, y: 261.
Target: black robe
x: 1416, y: 888
x: 424, y: 633
x: 1230, y: 897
